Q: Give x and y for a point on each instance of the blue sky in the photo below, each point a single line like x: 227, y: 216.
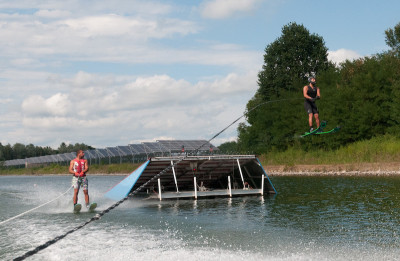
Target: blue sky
x: 109, y: 73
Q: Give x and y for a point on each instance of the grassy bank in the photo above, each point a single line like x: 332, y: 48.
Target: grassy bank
x: 377, y: 150
x: 124, y: 168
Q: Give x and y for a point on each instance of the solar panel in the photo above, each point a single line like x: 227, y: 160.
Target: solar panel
x: 188, y: 145
x: 63, y: 157
x: 10, y: 163
x: 90, y: 154
x: 53, y: 158
x: 125, y: 150
x: 69, y: 156
x: 144, y: 149
x: 139, y: 148
x: 152, y: 147
x: 102, y: 153
x: 47, y: 159
x: 172, y: 145
x: 113, y: 151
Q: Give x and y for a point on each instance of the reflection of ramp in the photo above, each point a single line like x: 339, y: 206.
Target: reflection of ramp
x: 123, y: 188
x: 197, y: 176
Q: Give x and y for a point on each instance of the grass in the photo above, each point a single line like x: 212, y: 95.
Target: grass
x: 377, y: 150
x: 124, y: 168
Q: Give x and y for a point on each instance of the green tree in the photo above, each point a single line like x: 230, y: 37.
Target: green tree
x: 8, y: 152
x: 30, y: 150
x: 1, y: 152
x: 289, y: 59
x: 230, y: 147
x: 19, y: 151
x: 369, y: 97
x: 62, y: 148
x: 279, y: 100
x: 393, y: 38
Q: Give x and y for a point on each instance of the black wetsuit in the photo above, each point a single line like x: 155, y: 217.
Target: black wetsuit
x: 310, y: 106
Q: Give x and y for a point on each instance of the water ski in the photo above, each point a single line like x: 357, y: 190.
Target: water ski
x: 77, y: 208
x: 92, y: 206
x: 336, y: 129
x: 317, y: 130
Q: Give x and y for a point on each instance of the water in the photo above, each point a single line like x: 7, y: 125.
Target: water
x: 311, y: 218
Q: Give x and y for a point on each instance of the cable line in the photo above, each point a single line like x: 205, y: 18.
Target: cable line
x: 20, y: 215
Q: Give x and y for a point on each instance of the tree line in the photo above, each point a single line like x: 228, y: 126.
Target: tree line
x: 362, y: 96
x: 21, y: 151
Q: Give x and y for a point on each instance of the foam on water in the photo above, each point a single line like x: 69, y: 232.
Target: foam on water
x: 128, y: 243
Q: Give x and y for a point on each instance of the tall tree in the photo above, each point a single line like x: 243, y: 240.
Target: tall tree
x: 287, y: 60
x: 62, y: 148
x: 8, y: 152
x: 19, y: 151
x: 287, y: 63
x: 393, y: 38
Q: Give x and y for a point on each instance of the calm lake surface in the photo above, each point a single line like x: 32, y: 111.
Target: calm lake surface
x: 311, y: 218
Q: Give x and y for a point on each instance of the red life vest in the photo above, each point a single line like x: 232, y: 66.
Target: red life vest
x: 79, y: 166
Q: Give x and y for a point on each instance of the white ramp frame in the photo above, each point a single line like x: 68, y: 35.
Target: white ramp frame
x: 229, y: 186
x: 241, y: 174
x: 173, y: 172
x: 195, y: 188
x: 159, y: 189
x: 262, y: 184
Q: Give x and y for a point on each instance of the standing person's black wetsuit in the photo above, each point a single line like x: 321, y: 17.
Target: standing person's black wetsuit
x: 311, y: 93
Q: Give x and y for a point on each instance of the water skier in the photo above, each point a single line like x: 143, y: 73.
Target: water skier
x: 311, y: 94
x: 78, y: 167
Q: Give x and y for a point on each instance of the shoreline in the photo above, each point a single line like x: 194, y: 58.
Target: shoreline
x: 335, y: 174
x: 351, y: 169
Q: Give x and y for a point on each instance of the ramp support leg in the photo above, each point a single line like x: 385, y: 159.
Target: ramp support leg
x: 173, y: 172
x: 229, y: 186
x: 159, y: 189
x: 195, y: 188
x: 262, y: 184
x: 241, y: 174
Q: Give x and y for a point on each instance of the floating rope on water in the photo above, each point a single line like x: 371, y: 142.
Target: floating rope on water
x: 26, y: 212
x: 102, y: 213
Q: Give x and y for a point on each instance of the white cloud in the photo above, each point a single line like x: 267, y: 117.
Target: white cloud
x: 115, y: 25
x: 219, y: 9
x: 57, y: 105
x: 80, y: 7
x: 35, y: 41
x: 5, y: 101
x: 102, y: 37
x: 52, y: 13
x: 145, y: 108
x: 342, y: 55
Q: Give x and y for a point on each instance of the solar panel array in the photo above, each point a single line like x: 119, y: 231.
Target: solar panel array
x: 131, y: 152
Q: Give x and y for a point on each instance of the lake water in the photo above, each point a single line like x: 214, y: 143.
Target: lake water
x: 311, y: 218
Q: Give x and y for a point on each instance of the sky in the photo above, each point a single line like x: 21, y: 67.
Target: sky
x: 109, y: 73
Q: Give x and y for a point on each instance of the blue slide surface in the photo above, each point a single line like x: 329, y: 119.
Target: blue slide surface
x: 122, y: 189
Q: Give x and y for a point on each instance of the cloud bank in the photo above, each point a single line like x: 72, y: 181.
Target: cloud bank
x: 221, y: 9
x: 342, y: 55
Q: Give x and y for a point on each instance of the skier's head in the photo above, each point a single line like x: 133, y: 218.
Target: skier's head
x: 312, y: 80
x: 80, y: 154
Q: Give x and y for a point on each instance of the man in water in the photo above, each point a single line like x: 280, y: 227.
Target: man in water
x: 311, y: 93
x: 78, y: 167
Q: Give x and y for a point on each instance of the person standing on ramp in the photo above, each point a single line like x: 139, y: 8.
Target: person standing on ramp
x: 311, y: 93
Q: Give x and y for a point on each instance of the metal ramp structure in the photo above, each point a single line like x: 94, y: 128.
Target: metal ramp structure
x: 197, y: 177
